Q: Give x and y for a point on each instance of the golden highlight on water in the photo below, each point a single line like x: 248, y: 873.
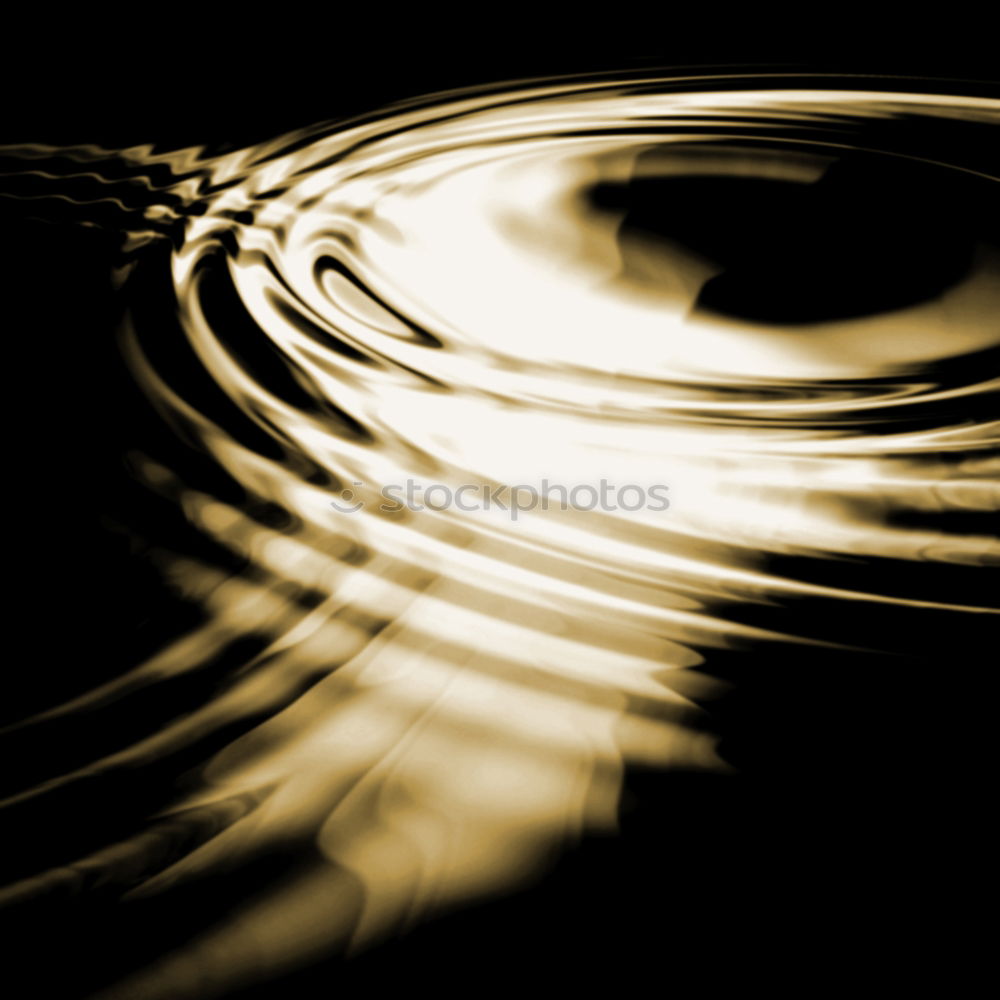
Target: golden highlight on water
x: 638, y: 280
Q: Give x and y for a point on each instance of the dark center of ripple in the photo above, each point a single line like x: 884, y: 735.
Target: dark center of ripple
x: 872, y: 235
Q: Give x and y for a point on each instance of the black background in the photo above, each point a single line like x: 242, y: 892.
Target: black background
x: 848, y: 844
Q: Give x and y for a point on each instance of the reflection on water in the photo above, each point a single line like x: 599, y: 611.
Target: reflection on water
x: 779, y: 304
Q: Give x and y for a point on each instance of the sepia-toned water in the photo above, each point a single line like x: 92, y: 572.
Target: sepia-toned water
x: 764, y: 315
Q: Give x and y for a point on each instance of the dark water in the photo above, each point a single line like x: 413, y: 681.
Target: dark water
x: 329, y: 730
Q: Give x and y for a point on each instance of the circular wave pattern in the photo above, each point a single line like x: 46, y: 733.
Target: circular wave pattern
x: 775, y: 300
